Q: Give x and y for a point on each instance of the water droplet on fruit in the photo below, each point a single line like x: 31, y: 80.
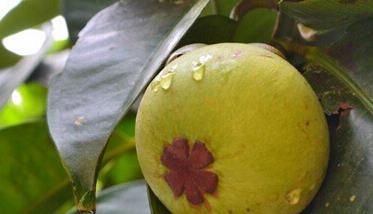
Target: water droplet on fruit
x: 203, y: 59
x: 155, y: 85
x: 293, y: 197
x: 198, y: 71
x: 166, y: 80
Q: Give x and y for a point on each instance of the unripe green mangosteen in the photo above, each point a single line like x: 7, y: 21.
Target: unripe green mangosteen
x: 232, y: 128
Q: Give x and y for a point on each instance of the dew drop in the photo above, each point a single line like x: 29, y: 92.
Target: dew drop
x: 166, y: 80
x: 155, y: 85
x: 198, y: 71
x: 203, y: 59
x: 293, y: 196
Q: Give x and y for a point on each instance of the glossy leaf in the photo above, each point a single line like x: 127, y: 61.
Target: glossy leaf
x: 129, y: 198
x: 327, y: 15
x: 31, y: 176
x: 77, y: 13
x: 348, y: 186
x: 117, y: 54
x: 12, y: 77
x: 341, y: 75
x: 256, y: 26
x: 28, y: 14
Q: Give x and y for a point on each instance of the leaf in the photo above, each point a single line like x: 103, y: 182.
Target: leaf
x: 341, y: 75
x: 210, y: 30
x: 31, y: 176
x: 327, y: 15
x: 256, y: 26
x: 51, y: 65
x: 123, y: 165
x: 28, y: 14
x: 117, y: 54
x: 245, y: 6
x: 7, y: 58
x: 12, y: 77
x: 348, y: 186
x: 224, y: 7
x: 129, y: 198
x: 77, y: 13
x: 28, y: 103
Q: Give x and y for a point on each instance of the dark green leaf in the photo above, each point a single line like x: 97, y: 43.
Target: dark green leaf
x: 28, y: 14
x: 256, y: 26
x: 12, y: 77
x: 224, y: 7
x: 32, y: 178
x: 348, y: 186
x: 327, y: 15
x: 210, y: 30
x: 129, y: 198
x: 341, y: 75
x: 7, y: 58
x: 117, y: 54
x: 77, y: 13
x: 245, y: 6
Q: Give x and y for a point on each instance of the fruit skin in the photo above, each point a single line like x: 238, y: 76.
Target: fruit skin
x: 257, y: 116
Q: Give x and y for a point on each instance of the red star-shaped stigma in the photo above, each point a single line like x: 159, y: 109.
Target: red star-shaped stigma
x: 187, y: 171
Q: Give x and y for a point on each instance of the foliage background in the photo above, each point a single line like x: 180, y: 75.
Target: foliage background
x: 329, y: 41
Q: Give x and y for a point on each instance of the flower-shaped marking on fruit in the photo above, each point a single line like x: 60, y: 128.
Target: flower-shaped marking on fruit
x: 187, y: 170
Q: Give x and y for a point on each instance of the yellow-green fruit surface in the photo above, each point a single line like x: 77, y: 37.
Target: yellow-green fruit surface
x: 256, y: 115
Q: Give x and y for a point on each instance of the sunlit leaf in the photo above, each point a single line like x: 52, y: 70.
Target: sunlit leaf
x: 28, y: 14
x: 27, y: 103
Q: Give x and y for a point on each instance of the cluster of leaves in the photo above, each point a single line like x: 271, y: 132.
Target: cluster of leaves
x: 115, y: 56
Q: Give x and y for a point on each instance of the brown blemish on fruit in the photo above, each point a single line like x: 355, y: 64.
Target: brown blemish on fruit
x: 248, y: 210
x: 307, y: 123
x: 187, y: 170
x: 230, y: 211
